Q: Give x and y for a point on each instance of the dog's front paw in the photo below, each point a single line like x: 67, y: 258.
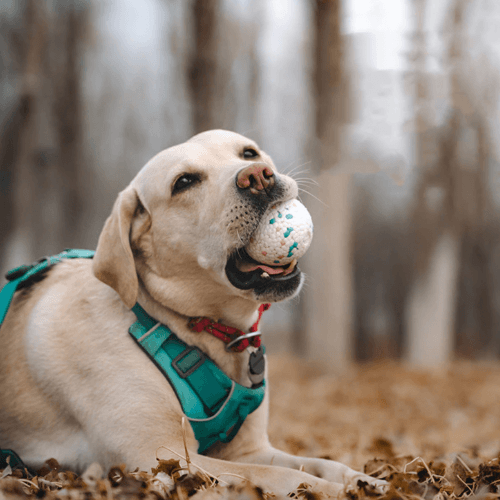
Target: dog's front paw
x: 323, y: 489
x: 312, y: 487
x: 368, y: 484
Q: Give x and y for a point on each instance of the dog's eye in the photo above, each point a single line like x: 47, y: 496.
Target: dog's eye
x: 250, y: 153
x: 185, y: 181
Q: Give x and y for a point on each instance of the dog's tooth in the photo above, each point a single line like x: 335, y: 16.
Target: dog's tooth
x: 264, y: 275
x: 290, y: 267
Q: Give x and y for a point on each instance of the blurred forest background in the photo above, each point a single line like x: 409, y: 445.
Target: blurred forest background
x: 386, y: 112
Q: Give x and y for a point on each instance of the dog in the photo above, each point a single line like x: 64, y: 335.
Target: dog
x: 75, y: 386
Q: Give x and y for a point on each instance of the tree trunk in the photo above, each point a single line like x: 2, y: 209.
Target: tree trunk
x: 329, y: 297
x: 432, y: 306
x: 11, y: 142
x: 45, y: 155
x: 27, y: 214
x: 203, y: 68
x: 67, y: 110
x: 431, y: 312
x: 329, y: 304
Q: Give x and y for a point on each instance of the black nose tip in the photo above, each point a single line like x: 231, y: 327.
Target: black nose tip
x: 257, y: 177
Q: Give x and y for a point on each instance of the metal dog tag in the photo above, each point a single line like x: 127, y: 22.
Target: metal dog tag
x: 256, y: 365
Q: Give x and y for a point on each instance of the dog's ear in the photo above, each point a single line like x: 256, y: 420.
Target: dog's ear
x: 113, y: 260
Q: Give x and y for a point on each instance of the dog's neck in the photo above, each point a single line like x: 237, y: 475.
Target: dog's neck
x: 240, y: 316
x: 238, y: 313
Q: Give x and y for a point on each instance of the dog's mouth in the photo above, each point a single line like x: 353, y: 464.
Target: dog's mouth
x: 246, y: 273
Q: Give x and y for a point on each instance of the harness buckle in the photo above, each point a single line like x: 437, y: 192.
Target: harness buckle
x: 188, y: 361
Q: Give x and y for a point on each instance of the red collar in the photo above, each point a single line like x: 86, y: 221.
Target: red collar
x: 227, y: 333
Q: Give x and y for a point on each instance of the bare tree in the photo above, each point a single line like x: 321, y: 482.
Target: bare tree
x: 451, y: 203
x: 329, y: 305
x: 203, y: 66
x: 43, y: 153
x: 69, y: 31
x: 26, y: 211
x: 222, y: 41
x: 16, y: 111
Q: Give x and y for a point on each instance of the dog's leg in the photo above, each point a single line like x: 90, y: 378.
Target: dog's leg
x: 272, y: 479
x: 330, y: 470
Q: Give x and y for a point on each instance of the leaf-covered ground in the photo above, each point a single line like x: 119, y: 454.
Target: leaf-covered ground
x: 432, y: 435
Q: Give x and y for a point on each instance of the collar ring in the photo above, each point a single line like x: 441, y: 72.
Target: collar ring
x: 241, y: 337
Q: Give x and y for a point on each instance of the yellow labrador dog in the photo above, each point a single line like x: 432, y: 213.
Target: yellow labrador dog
x: 75, y: 386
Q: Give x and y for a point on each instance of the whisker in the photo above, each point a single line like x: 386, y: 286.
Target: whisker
x: 303, y: 184
x: 297, y: 171
x: 307, y: 185
x: 293, y: 161
x: 300, y: 172
x: 293, y: 170
x: 241, y: 239
x: 306, y: 179
x: 315, y: 197
x: 289, y: 165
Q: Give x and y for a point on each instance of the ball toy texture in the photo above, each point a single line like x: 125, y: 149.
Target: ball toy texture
x: 284, y: 234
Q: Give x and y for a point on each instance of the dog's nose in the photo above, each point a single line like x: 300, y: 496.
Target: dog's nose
x: 256, y: 177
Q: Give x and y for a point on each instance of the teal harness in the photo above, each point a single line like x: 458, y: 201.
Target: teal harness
x: 22, y: 276
x: 215, y: 405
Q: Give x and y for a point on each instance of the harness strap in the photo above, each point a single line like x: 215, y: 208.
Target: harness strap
x: 215, y: 405
x: 186, y: 364
x: 11, y: 458
x: 23, y: 274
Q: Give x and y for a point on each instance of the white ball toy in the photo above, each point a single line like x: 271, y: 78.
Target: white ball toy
x: 284, y: 234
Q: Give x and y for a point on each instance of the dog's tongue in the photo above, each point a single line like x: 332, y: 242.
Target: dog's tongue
x: 247, y: 267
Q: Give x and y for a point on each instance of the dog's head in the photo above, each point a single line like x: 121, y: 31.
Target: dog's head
x: 179, y: 230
